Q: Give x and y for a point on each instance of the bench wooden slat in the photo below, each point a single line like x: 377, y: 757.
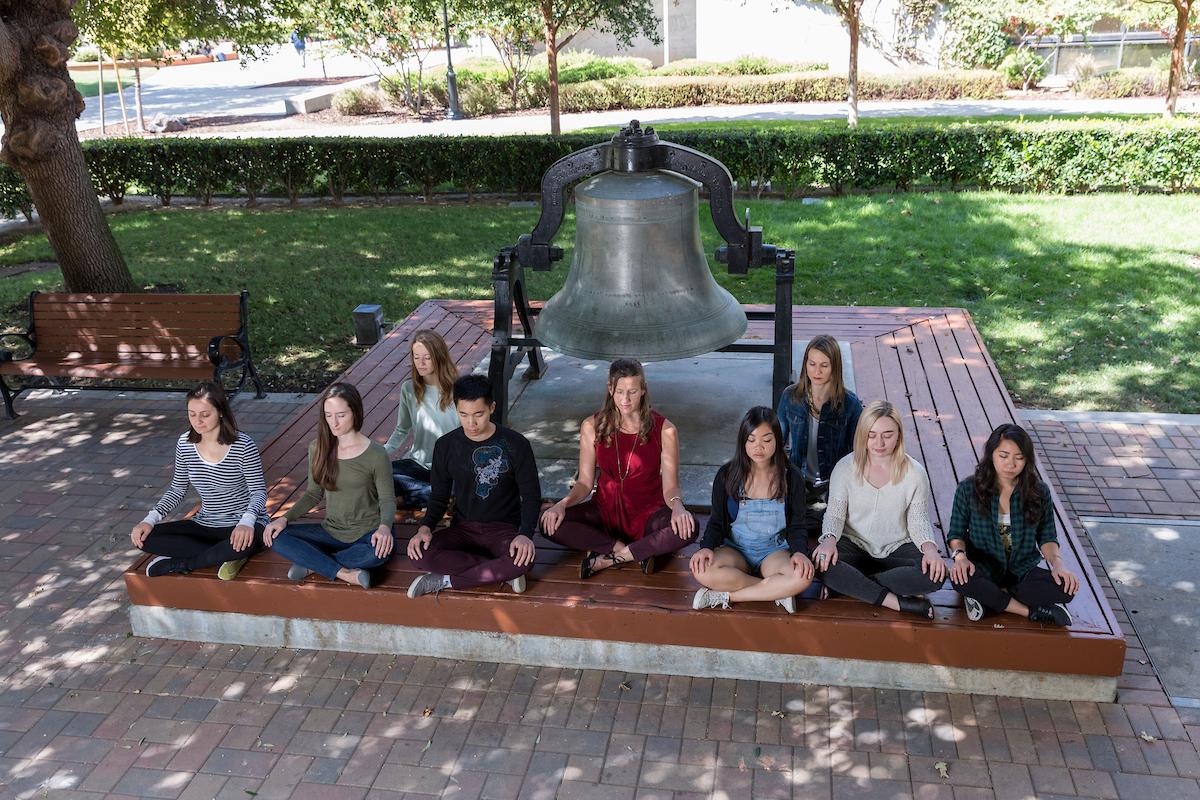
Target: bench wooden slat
x: 110, y: 369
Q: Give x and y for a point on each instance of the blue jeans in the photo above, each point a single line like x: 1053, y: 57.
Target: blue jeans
x: 312, y: 547
x: 412, y: 483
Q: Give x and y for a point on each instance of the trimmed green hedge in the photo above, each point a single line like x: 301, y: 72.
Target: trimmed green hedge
x: 678, y: 91
x: 1064, y: 157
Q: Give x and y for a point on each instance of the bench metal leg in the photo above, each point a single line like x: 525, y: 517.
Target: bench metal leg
x: 259, y: 394
x: 9, y: 396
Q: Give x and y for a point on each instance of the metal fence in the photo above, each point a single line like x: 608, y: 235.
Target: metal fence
x: 1111, y: 52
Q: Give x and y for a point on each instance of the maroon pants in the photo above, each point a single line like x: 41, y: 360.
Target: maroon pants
x: 472, y: 554
x: 583, y: 529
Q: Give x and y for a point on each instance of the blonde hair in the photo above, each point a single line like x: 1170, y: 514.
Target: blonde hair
x: 608, y: 418
x: 445, y: 373
x: 875, y: 411
x: 828, y: 346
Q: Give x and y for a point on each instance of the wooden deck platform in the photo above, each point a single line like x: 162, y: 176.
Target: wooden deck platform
x: 930, y: 362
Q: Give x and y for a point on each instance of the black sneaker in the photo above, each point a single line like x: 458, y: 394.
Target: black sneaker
x: 1056, y: 615
x: 163, y: 565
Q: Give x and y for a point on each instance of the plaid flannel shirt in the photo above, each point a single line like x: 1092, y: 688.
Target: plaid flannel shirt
x: 981, y: 533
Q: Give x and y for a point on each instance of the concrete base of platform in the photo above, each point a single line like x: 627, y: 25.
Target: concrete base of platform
x: 358, y: 637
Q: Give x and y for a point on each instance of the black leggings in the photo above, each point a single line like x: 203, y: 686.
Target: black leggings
x: 860, y: 575
x: 1037, y: 588
x: 198, y: 546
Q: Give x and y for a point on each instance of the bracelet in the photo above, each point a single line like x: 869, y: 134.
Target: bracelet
x: 673, y: 499
x: 826, y: 537
x: 956, y: 552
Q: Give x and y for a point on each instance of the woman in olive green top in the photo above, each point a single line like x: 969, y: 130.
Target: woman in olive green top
x: 355, y: 477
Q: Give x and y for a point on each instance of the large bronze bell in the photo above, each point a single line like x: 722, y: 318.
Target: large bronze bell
x: 639, y: 285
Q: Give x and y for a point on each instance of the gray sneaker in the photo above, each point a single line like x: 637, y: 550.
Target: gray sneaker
x: 788, y: 604
x: 518, y: 584
x: 298, y: 573
x: 708, y: 598
x: 429, y: 583
x: 974, y: 609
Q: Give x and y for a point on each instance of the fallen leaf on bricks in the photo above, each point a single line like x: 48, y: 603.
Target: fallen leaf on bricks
x: 1145, y: 737
x: 943, y: 770
x: 427, y: 712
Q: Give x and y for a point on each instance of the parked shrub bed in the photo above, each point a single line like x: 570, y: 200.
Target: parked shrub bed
x: 1067, y: 157
x: 790, y: 87
x: 1133, y: 82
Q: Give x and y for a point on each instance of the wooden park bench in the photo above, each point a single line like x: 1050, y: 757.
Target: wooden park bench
x: 145, y: 337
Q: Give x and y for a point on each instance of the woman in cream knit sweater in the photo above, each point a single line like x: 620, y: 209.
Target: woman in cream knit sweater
x: 876, y: 542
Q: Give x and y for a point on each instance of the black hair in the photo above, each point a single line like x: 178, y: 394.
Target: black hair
x: 740, y: 466
x: 1027, y: 483
x: 473, y: 387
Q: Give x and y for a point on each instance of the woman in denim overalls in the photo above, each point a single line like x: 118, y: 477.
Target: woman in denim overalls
x: 754, y: 545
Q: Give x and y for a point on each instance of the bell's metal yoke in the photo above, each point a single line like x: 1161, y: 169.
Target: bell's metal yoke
x: 634, y: 152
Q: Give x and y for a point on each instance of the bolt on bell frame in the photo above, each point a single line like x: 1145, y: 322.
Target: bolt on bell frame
x: 632, y: 150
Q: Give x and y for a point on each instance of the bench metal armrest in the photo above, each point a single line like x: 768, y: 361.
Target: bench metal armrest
x: 7, y: 354
x: 214, y: 351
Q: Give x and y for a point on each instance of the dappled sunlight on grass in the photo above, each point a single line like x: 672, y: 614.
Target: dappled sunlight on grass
x: 1086, y: 301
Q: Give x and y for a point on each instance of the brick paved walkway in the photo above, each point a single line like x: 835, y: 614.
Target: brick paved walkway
x: 87, y: 711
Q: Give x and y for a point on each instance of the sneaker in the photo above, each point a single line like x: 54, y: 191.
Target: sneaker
x: 230, y: 569
x: 429, y: 583
x: 518, y: 584
x: 298, y: 573
x: 707, y: 598
x: 1056, y: 615
x: 787, y: 603
x: 158, y: 566
x: 974, y: 609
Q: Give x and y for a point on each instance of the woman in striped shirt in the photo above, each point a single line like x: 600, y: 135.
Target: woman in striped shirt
x: 223, y: 465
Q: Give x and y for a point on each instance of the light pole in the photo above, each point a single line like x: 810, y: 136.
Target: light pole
x: 451, y: 84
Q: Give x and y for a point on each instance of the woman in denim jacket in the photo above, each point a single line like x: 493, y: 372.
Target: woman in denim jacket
x: 818, y: 416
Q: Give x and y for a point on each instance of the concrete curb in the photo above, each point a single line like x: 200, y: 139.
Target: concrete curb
x: 1129, y: 417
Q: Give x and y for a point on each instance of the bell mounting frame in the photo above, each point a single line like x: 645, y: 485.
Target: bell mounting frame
x: 632, y: 149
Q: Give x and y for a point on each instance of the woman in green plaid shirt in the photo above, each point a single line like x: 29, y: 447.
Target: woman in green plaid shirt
x: 1001, y: 527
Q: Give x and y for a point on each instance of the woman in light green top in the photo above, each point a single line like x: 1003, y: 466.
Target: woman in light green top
x: 427, y: 412
x: 352, y: 473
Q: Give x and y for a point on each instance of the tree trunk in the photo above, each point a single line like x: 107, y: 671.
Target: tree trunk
x: 120, y: 93
x: 1183, y: 9
x: 100, y: 94
x: 852, y: 8
x: 552, y: 68
x: 137, y: 92
x: 39, y: 105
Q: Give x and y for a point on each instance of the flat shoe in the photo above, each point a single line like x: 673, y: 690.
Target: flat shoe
x: 587, y: 567
x: 916, y: 605
x: 648, y: 565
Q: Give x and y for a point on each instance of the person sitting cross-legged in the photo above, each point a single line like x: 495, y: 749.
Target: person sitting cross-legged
x: 353, y: 475
x: 497, y: 497
x: 754, y: 547
x: 1001, y: 527
x: 876, y: 543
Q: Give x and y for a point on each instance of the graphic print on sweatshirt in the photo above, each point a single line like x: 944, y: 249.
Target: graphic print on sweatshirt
x: 490, y: 463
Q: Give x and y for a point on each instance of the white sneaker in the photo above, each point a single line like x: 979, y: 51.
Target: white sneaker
x: 788, y: 603
x: 707, y: 598
x: 518, y: 584
x: 974, y: 609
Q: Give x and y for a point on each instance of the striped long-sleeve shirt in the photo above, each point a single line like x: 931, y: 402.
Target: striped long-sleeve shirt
x: 232, y: 492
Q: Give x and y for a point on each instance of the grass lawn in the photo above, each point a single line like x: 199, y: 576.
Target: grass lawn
x: 88, y: 83
x: 1085, y: 302
x: 871, y: 123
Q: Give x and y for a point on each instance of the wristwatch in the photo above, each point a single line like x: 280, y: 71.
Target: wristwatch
x: 954, y: 553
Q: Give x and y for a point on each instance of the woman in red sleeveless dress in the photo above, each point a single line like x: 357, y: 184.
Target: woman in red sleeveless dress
x: 630, y: 454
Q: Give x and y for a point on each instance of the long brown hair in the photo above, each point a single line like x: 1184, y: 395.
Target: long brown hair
x: 740, y: 466
x: 444, y: 371
x: 214, y: 395
x: 828, y: 346
x: 608, y: 418
x: 1027, y: 483
x: 875, y: 411
x: 325, y: 457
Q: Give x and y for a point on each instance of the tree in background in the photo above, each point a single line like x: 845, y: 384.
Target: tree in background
x: 513, y: 34
x: 562, y: 21
x: 1173, y: 18
x: 39, y: 105
x: 389, y: 34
